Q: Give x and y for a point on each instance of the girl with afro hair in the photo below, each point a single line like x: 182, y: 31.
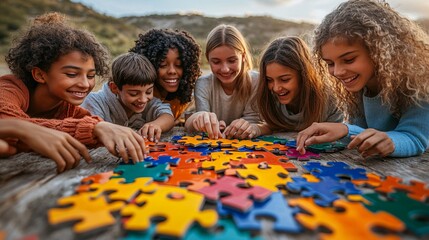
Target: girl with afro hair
x: 176, y: 57
x: 54, y: 67
x: 380, y: 64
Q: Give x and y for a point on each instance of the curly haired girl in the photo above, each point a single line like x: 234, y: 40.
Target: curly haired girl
x: 176, y: 57
x: 380, y: 60
x: 54, y: 68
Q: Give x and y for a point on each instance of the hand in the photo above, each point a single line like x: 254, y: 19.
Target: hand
x: 371, y: 143
x: 241, y: 129
x: 207, y: 122
x: 59, y: 146
x: 151, y: 131
x: 121, y: 141
x: 320, y: 133
x: 6, y: 150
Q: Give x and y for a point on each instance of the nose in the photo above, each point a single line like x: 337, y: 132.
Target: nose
x: 144, y: 98
x: 276, y: 86
x: 225, y: 68
x: 85, y: 82
x: 171, y: 70
x: 339, y: 70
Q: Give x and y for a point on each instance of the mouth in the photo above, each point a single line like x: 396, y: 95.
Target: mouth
x: 139, y: 105
x: 79, y: 94
x: 171, y: 81
x: 349, y: 80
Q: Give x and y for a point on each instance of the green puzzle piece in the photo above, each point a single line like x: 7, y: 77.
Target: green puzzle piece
x: 413, y: 213
x: 273, y: 139
x: 130, y: 172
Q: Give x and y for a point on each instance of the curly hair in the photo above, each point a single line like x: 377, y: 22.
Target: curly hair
x: 294, y: 53
x: 155, y: 43
x: 398, y: 47
x: 228, y: 35
x: 47, y: 39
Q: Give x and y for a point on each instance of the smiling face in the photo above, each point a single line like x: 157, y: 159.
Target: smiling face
x: 351, y: 64
x: 170, y: 72
x: 283, y: 82
x: 69, y: 79
x: 225, y: 63
x: 133, y: 98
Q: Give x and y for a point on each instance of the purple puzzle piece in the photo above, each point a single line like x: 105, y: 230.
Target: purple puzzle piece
x: 335, y: 170
x: 275, y: 207
x: 236, y: 197
x: 292, y: 153
x: 324, y: 192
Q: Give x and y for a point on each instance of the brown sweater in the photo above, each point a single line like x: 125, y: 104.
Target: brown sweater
x: 74, y: 120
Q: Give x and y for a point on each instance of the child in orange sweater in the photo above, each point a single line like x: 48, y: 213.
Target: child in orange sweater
x: 54, y: 68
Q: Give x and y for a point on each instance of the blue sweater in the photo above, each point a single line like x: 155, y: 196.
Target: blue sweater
x: 410, y: 133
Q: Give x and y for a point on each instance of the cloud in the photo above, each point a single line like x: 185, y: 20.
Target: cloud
x: 415, y: 8
x: 273, y: 2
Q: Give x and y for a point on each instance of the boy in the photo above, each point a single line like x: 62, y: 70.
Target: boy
x: 127, y: 99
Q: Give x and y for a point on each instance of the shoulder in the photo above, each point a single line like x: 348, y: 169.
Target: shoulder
x: 206, y: 80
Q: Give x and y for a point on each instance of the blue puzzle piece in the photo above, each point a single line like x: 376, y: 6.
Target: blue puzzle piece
x: 131, y: 171
x: 163, y: 159
x: 335, y: 170
x: 324, y: 192
x: 291, y: 143
x: 275, y: 207
x: 176, y: 138
x: 205, y: 151
x: 227, y: 230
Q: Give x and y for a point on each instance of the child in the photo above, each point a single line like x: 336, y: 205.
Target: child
x: 54, y: 67
x: 62, y: 148
x: 381, y: 64
x: 176, y: 56
x: 222, y: 97
x: 292, y: 92
x: 127, y: 99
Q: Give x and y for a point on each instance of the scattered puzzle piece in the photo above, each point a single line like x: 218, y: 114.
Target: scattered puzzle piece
x: 131, y: 171
x: 292, y: 153
x: 342, y: 220
x: 270, y: 178
x: 335, y: 170
x: 233, y: 193
x: 267, y: 157
x: 273, y: 139
x: 226, y: 230
x: 275, y: 207
x: 193, y: 179
x: 179, y: 207
x: 413, y: 213
x: 96, y: 178
x: 90, y: 213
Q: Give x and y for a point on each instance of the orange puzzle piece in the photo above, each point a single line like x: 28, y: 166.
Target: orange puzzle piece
x: 96, y: 178
x: 343, y: 220
x: 193, y: 178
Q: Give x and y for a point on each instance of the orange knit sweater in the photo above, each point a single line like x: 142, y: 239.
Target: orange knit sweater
x: 77, y: 121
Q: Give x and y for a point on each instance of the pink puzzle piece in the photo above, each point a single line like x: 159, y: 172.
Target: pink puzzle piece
x: 292, y: 153
x: 238, y: 196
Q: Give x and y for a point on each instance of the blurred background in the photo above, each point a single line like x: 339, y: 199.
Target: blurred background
x: 117, y: 23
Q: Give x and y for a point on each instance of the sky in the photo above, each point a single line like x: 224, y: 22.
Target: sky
x: 295, y: 10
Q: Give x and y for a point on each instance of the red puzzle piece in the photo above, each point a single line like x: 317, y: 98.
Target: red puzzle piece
x: 267, y: 157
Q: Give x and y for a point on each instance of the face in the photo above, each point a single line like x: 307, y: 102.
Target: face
x: 225, y: 63
x: 134, y: 98
x: 351, y: 64
x: 283, y: 82
x: 70, y: 78
x: 170, y: 71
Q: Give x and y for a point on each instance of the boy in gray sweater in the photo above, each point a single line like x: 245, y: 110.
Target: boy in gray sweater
x: 127, y: 99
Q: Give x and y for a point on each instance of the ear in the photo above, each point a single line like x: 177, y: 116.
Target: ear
x: 113, y: 87
x: 244, y: 57
x: 38, y: 75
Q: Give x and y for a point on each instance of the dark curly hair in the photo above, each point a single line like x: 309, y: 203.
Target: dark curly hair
x: 47, y: 39
x: 155, y: 43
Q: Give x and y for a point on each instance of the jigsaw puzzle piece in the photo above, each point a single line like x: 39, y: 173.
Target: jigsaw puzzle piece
x: 95, y: 178
x: 270, y: 178
x: 267, y: 157
x: 193, y: 179
x: 414, y: 214
x: 327, y: 147
x: 335, y: 170
x: 325, y: 192
x: 221, y: 160
x: 132, y: 171
x: 275, y: 207
x: 234, y: 193
x: 90, y: 213
x: 346, y: 219
x: 180, y: 209
x: 292, y: 153
x: 273, y: 139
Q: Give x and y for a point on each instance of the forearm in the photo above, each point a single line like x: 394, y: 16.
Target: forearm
x: 262, y: 129
x: 14, y: 128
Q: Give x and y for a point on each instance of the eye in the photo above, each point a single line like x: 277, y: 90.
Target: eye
x: 269, y: 80
x: 349, y: 60
x: 71, y: 75
x: 285, y: 80
x: 90, y: 76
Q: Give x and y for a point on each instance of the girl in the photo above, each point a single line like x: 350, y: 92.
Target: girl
x: 176, y: 56
x: 127, y: 99
x: 224, y: 94
x: 54, y: 69
x: 292, y: 92
x: 381, y: 64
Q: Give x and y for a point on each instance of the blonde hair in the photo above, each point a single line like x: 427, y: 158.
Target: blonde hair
x: 398, y: 47
x: 227, y: 35
x: 293, y: 52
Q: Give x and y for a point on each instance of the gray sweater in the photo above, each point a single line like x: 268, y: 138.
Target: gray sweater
x: 105, y: 105
x: 210, y: 97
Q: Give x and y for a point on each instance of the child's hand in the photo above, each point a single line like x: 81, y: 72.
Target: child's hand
x: 320, y: 133
x: 207, y: 122
x: 151, y: 131
x: 371, y: 143
x: 121, y: 141
x: 6, y: 150
x: 241, y: 129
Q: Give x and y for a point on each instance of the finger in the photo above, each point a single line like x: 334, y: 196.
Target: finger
x: 158, y: 135
x: 151, y: 133
x: 208, y: 125
x: 67, y: 157
x: 214, y: 125
x: 222, y: 125
x: 144, y: 131
x: 140, y: 146
x: 122, y: 151
x: 74, y: 153
x: 359, y: 139
x: 81, y: 149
